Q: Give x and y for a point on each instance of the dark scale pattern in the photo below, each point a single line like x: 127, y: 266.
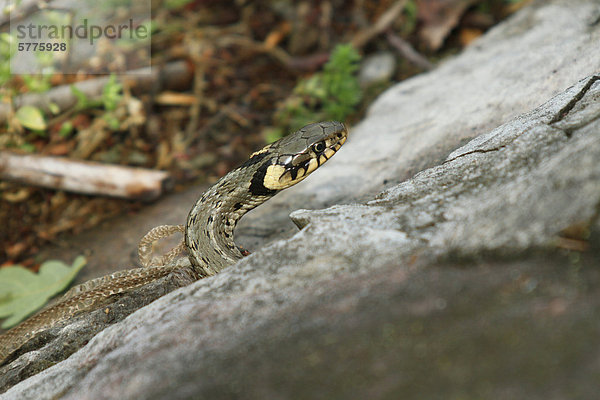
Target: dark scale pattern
x: 244, y: 188
x: 208, y: 236
x: 257, y: 187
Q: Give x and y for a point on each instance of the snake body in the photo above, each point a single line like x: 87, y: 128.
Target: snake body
x: 209, y: 228
x: 212, y: 220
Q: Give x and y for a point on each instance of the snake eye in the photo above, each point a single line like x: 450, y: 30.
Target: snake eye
x: 318, y: 147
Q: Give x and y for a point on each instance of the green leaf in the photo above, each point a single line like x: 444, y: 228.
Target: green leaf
x: 28, y: 147
x: 37, y: 83
x: 22, y: 292
x: 112, y: 121
x: 111, y: 93
x: 65, y: 129
x: 82, y: 99
x: 31, y: 117
x: 53, y: 107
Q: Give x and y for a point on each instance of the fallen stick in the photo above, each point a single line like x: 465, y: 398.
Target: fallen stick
x: 381, y: 25
x: 408, y: 52
x: 175, y: 75
x: 85, y: 177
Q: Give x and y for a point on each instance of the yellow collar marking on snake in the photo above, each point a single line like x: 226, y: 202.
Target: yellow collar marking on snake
x: 210, y: 224
x: 212, y: 220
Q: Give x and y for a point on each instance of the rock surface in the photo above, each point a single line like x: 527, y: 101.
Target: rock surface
x: 477, y: 277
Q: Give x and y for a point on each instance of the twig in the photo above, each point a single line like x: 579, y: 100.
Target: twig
x: 196, y: 107
x: 305, y: 63
x: 308, y: 63
x: 572, y: 244
x: 168, y: 98
x: 276, y: 52
x: 408, y: 52
x: 84, y: 176
x: 382, y: 24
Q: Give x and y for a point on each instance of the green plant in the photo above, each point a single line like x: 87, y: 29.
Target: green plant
x: 409, y: 22
x: 329, y: 95
x: 83, y: 101
x: 111, y: 94
x: 32, y: 118
x: 22, y: 292
x: 38, y: 83
x: 110, y: 99
x: 8, y: 46
x: 342, y: 90
x: 175, y: 4
x: 65, y: 129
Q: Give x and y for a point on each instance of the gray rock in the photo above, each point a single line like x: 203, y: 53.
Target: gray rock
x: 475, y: 278
x: 63, y: 339
x: 519, y: 64
x: 377, y: 68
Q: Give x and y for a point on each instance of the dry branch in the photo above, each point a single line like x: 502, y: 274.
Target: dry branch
x: 175, y: 75
x: 380, y: 26
x: 408, y: 52
x: 84, y: 176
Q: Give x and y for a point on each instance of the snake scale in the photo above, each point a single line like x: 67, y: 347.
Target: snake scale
x: 208, y: 230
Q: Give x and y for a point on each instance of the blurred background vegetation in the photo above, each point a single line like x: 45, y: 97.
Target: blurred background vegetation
x: 257, y: 70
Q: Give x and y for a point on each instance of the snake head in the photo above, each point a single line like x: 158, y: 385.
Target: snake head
x: 294, y: 157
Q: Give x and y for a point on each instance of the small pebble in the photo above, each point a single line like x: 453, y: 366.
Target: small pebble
x: 377, y: 68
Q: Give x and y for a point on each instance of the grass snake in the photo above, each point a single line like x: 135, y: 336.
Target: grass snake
x: 208, y: 230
